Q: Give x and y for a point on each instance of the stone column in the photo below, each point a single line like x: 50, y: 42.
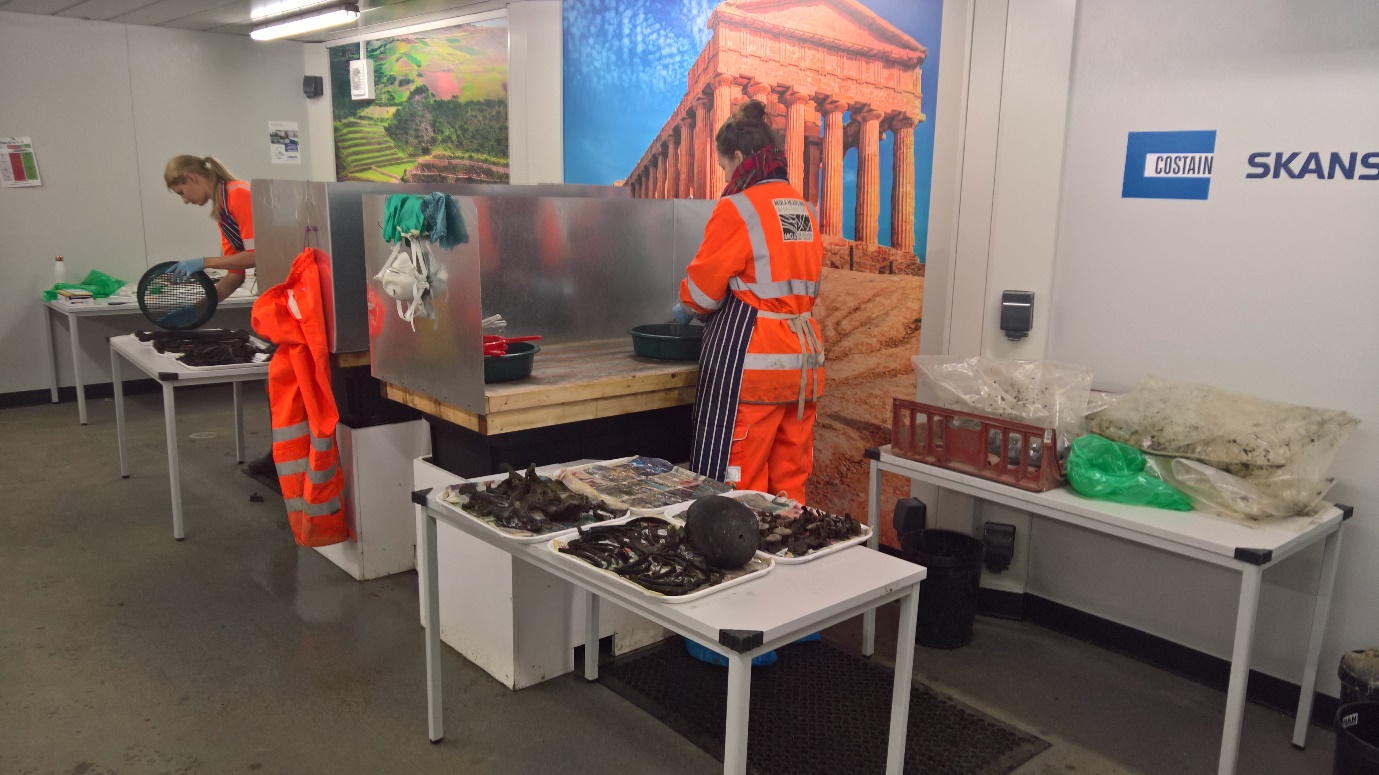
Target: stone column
x: 795, y: 107
x: 722, y: 110
x: 673, y: 165
x: 653, y: 189
x: 903, y: 185
x: 831, y: 192
x: 868, y: 175
x: 703, y: 149
x: 813, y: 160
x: 686, y: 161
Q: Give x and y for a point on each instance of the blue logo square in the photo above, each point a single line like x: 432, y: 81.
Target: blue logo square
x: 1168, y: 165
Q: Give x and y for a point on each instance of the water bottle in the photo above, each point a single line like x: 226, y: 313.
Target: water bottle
x: 59, y: 270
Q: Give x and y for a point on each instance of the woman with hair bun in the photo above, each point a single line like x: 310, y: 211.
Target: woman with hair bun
x: 755, y: 280
x: 200, y: 180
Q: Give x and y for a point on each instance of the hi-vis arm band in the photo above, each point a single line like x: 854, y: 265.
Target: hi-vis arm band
x: 702, y: 299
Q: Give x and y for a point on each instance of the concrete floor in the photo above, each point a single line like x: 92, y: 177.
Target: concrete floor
x: 123, y: 652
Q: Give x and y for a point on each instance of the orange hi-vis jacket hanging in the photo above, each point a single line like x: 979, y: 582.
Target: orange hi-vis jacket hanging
x: 302, y: 405
x: 762, y: 246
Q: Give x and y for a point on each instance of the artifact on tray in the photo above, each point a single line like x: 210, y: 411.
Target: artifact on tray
x: 723, y: 530
x: 1044, y: 394
x: 790, y: 530
x: 206, y: 347
x: 654, y: 554
x: 1237, y: 455
x: 641, y: 483
x: 528, y: 502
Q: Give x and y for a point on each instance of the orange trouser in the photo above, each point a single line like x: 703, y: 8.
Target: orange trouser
x: 773, y: 450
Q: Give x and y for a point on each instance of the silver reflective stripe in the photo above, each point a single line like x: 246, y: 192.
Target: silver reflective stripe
x: 755, y: 233
x: 322, y: 477
x: 701, y: 298
x: 291, y: 467
x: 313, y: 509
x: 290, y: 432
x: 782, y: 362
x: 784, y: 315
x: 322, y: 445
x: 777, y: 290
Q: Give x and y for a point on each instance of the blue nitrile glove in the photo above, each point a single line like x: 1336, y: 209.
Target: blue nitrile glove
x: 680, y: 315
x: 183, y: 269
x: 180, y: 318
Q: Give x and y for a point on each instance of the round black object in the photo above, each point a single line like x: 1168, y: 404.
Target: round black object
x: 948, y: 596
x: 176, y: 304
x: 723, y: 530
x: 1357, y: 739
x: 667, y: 341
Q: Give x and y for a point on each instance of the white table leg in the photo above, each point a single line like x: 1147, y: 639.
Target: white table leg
x: 76, y: 368
x: 739, y: 703
x: 1250, y: 579
x: 430, y: 590
x: 874, y: 521
x: 591, y: 637
x: 239, y: 420
x: 904, y: 672
x: 174, y: 470
x: 1321, y: 607
x: 118, y: 382
x: 52, y: 354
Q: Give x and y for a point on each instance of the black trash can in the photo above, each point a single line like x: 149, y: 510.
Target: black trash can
x: 948, y: 595
x: 1357, y: 739
x: 1359, y: 673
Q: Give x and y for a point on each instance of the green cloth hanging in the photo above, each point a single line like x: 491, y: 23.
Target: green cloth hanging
x: 402, y: 215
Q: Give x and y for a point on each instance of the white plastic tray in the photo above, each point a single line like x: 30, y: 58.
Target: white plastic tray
x: 675, y: 513
x: 767, y: 561
x: 525, y: 536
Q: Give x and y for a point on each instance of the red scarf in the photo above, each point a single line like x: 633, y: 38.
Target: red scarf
x: 766, y: 164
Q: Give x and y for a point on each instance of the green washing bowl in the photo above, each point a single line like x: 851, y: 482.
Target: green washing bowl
x: 667, y: 341
x: 513, y: 366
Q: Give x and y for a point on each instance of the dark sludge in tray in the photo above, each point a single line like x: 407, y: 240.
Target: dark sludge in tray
x: 811, y: 531
x: 529, y: 502
x: 647, y: 551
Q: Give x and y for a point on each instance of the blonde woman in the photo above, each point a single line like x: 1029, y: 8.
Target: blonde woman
x: 198, y: 181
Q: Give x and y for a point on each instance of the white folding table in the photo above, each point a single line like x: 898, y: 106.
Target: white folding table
x: 102, y: 307
x: 172, y: 374
x: 739, y: 623
x: 1206, y: 537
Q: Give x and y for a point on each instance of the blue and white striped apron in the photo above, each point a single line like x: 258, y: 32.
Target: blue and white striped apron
x: 720, y: 383
x: 229, y: 227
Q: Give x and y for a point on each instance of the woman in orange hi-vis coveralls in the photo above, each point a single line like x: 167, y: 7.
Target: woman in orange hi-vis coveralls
x: 755, y: 278
x: 302, y: 404
x: 198, y: 181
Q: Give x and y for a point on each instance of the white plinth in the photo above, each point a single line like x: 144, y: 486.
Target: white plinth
x: 377, y: 498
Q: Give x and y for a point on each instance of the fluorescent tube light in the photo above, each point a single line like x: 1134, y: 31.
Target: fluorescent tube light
x: 332, y: 16
x: 282, y: 8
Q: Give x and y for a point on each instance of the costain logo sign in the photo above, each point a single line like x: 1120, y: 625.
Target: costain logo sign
x: 1169, y: 165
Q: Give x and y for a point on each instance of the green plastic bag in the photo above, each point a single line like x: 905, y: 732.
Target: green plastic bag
x: 1108, y: 470
x: 97, y: 283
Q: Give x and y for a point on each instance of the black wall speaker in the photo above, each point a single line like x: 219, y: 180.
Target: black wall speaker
x: 313, y: 86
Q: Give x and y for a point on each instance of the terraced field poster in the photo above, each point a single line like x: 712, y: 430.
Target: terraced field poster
x: 440, y: 108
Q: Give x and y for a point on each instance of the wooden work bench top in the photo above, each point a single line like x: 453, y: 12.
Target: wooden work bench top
x: 569, y: 383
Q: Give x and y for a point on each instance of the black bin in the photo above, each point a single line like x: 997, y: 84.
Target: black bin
x: 1357, y: 739
x: 948, y: 595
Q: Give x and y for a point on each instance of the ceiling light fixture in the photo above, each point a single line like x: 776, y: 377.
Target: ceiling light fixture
x: 282, y: 8
x: 316, y: 19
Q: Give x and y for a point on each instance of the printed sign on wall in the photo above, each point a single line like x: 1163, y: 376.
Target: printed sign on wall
x: 1169, y: 165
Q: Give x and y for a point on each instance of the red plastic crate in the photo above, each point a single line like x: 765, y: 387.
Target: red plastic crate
x: 1014, y: 453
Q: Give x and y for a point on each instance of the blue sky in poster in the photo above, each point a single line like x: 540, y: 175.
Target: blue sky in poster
x: 626, y: 65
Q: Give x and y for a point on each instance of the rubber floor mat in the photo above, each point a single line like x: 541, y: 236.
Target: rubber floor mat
x: 818, y: 710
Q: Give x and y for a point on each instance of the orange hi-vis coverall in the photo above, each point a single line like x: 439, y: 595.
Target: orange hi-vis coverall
x: 756, y: 276
x: 302, y: 404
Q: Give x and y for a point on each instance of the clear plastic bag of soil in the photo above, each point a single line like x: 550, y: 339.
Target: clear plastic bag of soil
x: 1045, y: 394
x: 1239, y: 456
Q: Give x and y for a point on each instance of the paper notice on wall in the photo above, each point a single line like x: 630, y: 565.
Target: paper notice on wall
x: 284, y: 142
x: 18, y: 166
